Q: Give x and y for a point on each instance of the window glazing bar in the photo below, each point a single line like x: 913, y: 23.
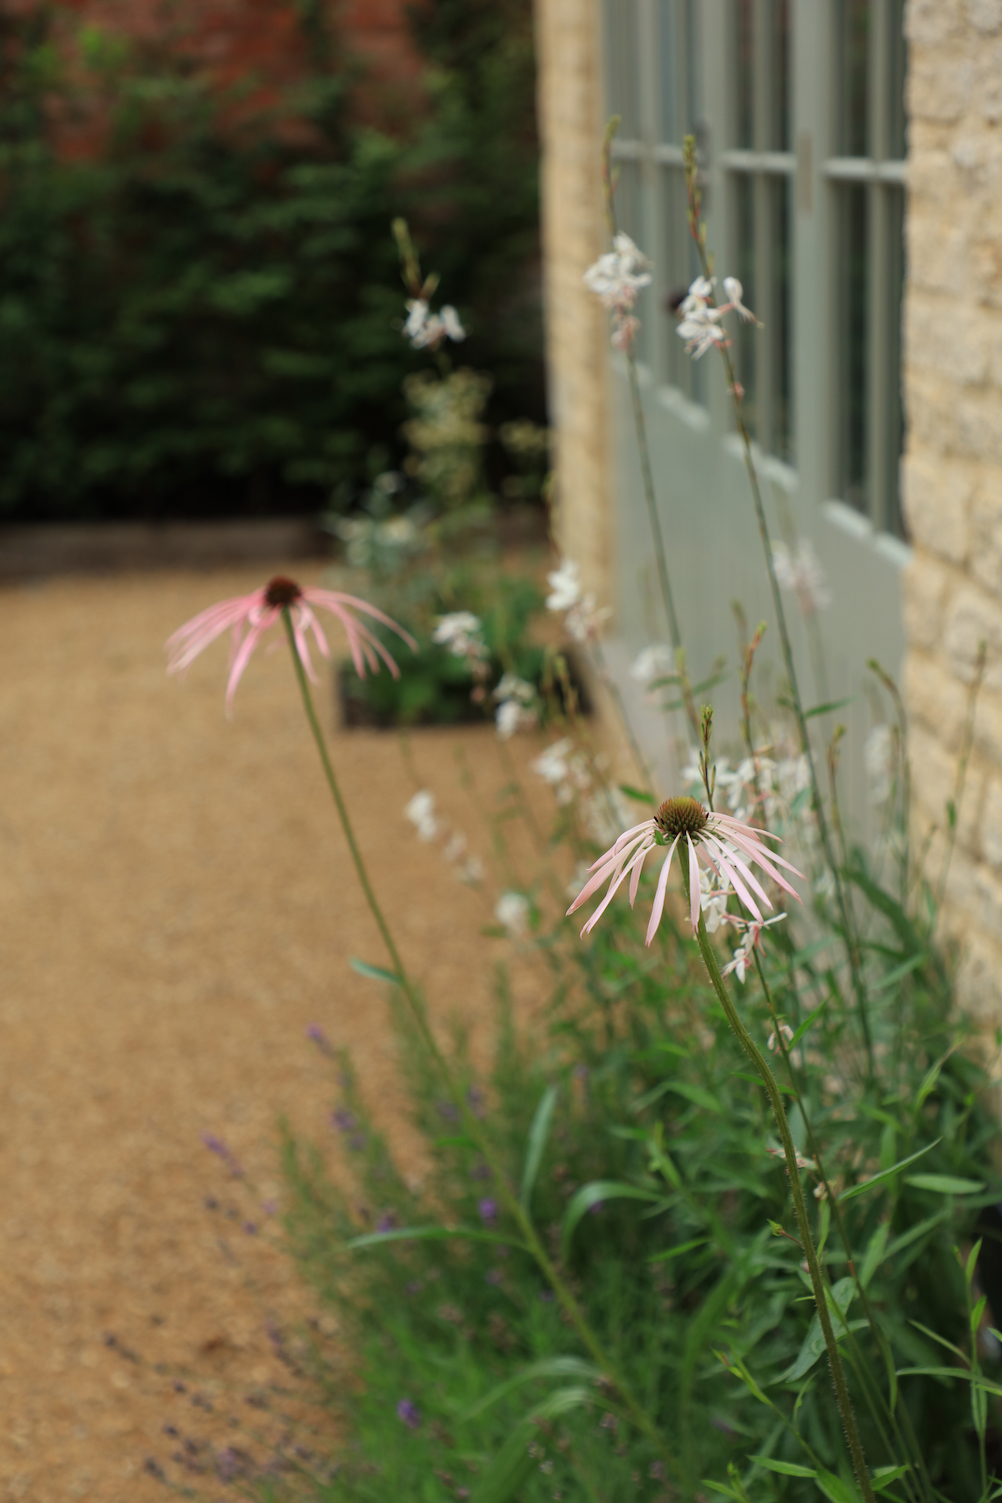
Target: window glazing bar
x: 779, y: 163
x: 629, y: 151
x: 864, y: 170
x: 763, y: 71
x: 668, y: 156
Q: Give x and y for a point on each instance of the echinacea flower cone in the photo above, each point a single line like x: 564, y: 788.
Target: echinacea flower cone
x: 727, y: 846
x: 250, y: 616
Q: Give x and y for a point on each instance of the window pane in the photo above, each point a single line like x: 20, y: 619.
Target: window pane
x: 851, y: 306
x: 780, y: 319
x: 853, y: 19
x: 897, y: 142
x: 681, y: 268
x: 622, y: 65
x: 677, y: 22
x: 745, y: 334
x: 781, y: 109
x: 744, y: 99
x: 896, y: 202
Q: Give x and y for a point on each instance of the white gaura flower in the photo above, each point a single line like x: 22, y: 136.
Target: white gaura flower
x: 565, y: 586
x: 421, y: 813
x: 652, y: 663
x: 512, y: 716
x: 713, y: 895
x: 426, y: 330
x: 584, y: 621
x: 734, y: 291
x: 512, y: 911
x: 701, y: 334
x: 617, y: 277
x: 753, y: 938
x: 799, y: 570
x: 564, y: 768
x: 510, y: 686
x: 722, y: 842
x: 460, y: 632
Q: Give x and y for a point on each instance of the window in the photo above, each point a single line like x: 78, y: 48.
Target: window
x: 798, y: 111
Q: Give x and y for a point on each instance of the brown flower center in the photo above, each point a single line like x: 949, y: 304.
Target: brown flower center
x: 281, y: 591
x: 681, y: 816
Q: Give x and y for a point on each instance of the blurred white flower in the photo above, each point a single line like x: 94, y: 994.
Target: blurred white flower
x: 618, y: 276
x: 512, y: 911
x: 734, y: 291
x: 772, y: 1043
x: 713, y: 895
x: 426, y: 330
x: 800, y: 571
x: 511, y: 716
x: 456, y: 630
x: 651, y: 663
x: 565, y: 586
x: 585, y: 620
x: 511, y: 686
x: 564, y: 768
x: 878, y: 754
x: 421, y: 813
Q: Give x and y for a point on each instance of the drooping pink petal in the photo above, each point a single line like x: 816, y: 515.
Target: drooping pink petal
x: 659, y: 894
x: 241, y: 658
x: 693, y: 886
x: 766, y: 860
x: 734, y: 856
x: 726, y: 869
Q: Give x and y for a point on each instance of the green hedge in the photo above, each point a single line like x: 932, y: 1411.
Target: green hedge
x: 205, y: 319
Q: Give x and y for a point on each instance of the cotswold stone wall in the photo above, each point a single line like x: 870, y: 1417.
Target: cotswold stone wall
x: 952, y: 469
x: 577, y: 328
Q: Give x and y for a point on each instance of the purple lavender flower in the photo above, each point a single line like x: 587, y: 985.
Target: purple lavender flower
x: 217, y: 1146
x: 488, y: 1211
x: 270, y: 1207
x: 250, y: 1228
x: 357, y: 1142
x: 342, y: 1120
x: 318, y: 1037
x: 386, y: 1222
x: 409, y: 1414
x: 449, y: 1110
x: 475, y: 1098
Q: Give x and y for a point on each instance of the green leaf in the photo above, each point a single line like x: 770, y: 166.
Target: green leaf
x: 548, y: 1367
x: 874, y: 1255
x: 431, y: 1234
x: 674, y: 1252
x: 828, y: 709
x: 883, y: 1476
x: 785, y: 1468
x: 505, y: 1474
x: 374, y: 972
x: 842, y: 1295
x: 835, y: 1489
x: 637, y: 794
x: 972, y: 1261
x: 900, y: 971
x: 594, y: 1194
x: 945, y: 1184
x: 538, y: 1133
x: 977, y: 1312
x: 808, y: 1022
x: 885, y: 1174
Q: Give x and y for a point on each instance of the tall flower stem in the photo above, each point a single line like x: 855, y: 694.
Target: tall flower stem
x: 848, y: 924
x: 472, y: 1126
x: 800, y: 1207
x: 646, y: 470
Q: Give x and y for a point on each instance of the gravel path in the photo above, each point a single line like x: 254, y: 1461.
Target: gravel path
x: 176, y: 907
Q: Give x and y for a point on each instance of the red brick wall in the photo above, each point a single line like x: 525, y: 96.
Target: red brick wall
x: 233, y: 39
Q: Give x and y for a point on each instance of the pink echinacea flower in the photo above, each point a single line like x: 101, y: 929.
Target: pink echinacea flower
x: 250, y: 616
x: 724, y: 843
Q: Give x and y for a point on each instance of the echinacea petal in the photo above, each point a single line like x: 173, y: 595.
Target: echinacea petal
x: 726, y: 868
x: 693, y: 886
x: 766, y: 859
x: 659, y: 894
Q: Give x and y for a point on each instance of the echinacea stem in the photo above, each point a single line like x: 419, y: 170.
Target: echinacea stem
x: 630, y: 1404
x: 800, y: 1207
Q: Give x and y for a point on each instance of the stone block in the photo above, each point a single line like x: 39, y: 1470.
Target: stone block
x: 986, y: 529
x: 985, y: 15
x: 934, y: 783
x: 934, y: 699
x: 948, y: 335
x: 988, y: 728
x: 926, y: 585
x: 979, y: 981
x: 935, y: 495
x: 931, y: 22
x: 974, y: 617
x: 991, y: 823
x: 977, y: 426
x: 939, y: 85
